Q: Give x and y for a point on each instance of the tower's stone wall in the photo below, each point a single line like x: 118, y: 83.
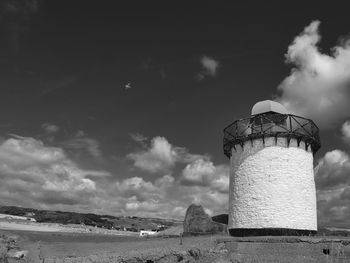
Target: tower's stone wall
x: 272, y: 186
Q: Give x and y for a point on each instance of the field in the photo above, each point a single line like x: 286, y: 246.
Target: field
x: 75, y: 247
x: 78, y: 247
x: 48, y: 242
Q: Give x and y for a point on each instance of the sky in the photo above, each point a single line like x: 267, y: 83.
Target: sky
x: 119, y: 109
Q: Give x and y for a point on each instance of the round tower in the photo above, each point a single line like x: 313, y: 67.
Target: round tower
x: 272, y: 187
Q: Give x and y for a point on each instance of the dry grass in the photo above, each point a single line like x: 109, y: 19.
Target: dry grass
x: 96, y: 248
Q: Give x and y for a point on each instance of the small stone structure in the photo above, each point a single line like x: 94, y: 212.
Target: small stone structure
x: 198, y: 222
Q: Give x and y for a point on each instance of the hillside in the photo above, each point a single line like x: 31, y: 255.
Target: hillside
x: 130, y: 223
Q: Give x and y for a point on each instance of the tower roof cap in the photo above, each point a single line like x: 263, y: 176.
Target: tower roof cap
x: 268, y: 106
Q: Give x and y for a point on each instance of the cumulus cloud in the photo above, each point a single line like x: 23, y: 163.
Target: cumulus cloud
x: 145, y: 196
x: 318, y: 86
x: 203, y: 172
x: 166, y: 197
x: 210, y: 67
x: 201, y: 181
x: 160, y: 157
x: 198, y: 172
x: 139, y: 138
x: 24, y: 151
x: 345, y: 130
x: 32, y: 173
x: 138, y: 188
x: 163, y: 197
x: 333, y: 170
x: 332, y: 175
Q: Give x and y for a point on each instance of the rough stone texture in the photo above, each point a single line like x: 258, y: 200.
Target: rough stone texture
x: 9, y: 250
x: 198, y: 222
x: 17, y: 254
x: 287, y: 249
x: 272, y: 186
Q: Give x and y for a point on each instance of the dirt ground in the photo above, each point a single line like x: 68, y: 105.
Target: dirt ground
x: 45, y: 247
x: 68, y: 247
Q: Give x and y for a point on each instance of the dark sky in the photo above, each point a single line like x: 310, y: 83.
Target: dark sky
x: 65, y: 67
x: 67, y: 62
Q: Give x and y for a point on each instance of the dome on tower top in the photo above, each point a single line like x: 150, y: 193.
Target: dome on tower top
x: 268, y: 106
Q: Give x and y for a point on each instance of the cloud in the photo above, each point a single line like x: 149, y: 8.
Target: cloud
x: 198, y: 172
x: 203, y: 173
x: 50, y: 128
x: 166, y: 197
x: 24, y: 151
x: 199, y: 182
x: 335, y: 212
x: 210, y: 67
x: 137, y: 187
x: 160, y: 156
x: 81, y: 142
x: 33, y: 174
x: 139, y: 138
x: 318, y: 85
x: 345, y: 130
x: 58, y: 84
x: 332, y: 176
x: 333, y: 170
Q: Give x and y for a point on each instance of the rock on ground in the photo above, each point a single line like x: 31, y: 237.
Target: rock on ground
x: 198, y: 222
x: 17, y: 254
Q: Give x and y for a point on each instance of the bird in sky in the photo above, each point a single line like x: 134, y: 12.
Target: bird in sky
x: 128, y: 86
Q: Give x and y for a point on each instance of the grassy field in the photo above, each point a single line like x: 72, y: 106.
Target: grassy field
x: 58, y: 247
x: 78, y: 247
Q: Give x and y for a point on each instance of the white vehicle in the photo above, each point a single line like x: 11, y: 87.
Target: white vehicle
x: 147, y: 233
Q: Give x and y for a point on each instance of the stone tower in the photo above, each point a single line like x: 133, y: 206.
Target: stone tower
x: 272, y: 187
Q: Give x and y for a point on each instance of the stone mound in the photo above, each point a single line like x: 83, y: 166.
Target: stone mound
x: 197, y: 221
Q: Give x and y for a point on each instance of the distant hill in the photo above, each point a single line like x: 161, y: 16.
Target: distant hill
x: 130, y: 223
x: 333, y: 232
x: 222, y: 218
